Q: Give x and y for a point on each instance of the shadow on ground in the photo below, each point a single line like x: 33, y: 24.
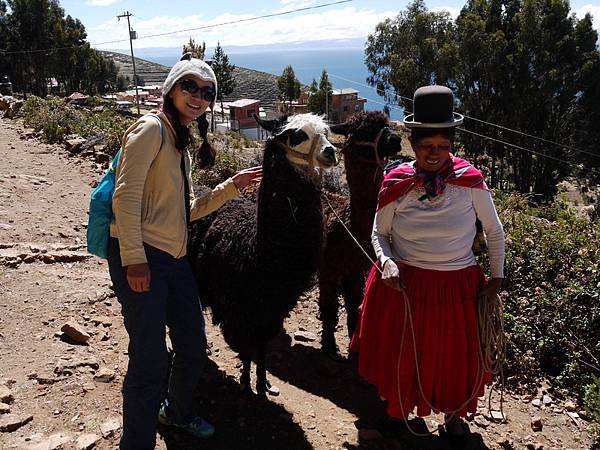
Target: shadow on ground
x: 336, y: 379
x: 241, y: 423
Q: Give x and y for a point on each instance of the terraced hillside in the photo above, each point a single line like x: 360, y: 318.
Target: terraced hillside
x: 249, y: 83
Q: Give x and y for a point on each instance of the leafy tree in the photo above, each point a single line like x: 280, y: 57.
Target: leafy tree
x: 521, y: 65
x: 3, y: 38
x: 414, y: 49
x: 320, y: 96
x: 314, y: 98
x: 122, y: 83
x: 224, y: 73
x: 288, y: 85
x: 197, y: 50
x: 43, y: 45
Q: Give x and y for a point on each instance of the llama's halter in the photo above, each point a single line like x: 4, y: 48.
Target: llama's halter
x: 307, y: 159
x: 374, y: 144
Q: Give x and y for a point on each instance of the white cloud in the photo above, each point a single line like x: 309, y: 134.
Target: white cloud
x: 322, y: 25
x: 101, y: 2
x: 297, y: 2
x: 594, y: 10
x: 454, y: 12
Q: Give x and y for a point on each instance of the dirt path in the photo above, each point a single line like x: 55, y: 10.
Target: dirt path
x: 63, y: 394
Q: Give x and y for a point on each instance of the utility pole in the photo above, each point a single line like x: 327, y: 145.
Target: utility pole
x: 326, y: 101
x: 132, y: 35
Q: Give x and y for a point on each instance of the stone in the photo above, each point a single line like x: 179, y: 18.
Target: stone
x: 56, y: 441
x: 101, y: 157
x: 536, y: 402
x: 536, y: 423
x: 12, y: 422
x: 110, y: 427
x: 547, y: 400
x: 69, y: 367
x: 4, y: 408
x: 497, y: 416
x: 75, y: 332
x: 481, y: 422
x: 74, y: 145
x: 104, y: 375
x: 105, y: 321
x: 6, y: 395
x: 506, y: 443
x: 86, y: 441
x: 366, y: 434
x: 571, y: 406
x: 535, y: 446
x: 305, y: 336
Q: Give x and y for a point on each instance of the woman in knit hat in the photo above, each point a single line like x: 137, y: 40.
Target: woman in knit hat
x: 418, y: 333
x: 153, y: 205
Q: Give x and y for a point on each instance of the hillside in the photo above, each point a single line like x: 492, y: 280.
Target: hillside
x: 249, y: 83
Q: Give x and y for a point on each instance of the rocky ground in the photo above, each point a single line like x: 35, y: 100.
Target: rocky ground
x: 63, y: 348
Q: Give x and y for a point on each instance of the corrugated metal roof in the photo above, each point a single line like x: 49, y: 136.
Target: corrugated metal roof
x: 244, y: 102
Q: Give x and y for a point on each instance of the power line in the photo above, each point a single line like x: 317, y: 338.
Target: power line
x: 205, y: 27
x: 488, y: 137
x: 283, y: 13
x: 526, y: 149
x: 522, y: 133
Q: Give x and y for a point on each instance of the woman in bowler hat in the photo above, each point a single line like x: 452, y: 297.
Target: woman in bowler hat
x: 418, y: 333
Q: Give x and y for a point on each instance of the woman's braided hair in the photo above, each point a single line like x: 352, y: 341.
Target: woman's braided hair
x: 206, y: 154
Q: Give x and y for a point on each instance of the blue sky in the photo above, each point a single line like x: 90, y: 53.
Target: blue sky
x: 354, y: 19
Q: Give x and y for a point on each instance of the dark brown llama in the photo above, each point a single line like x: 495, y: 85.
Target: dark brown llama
x: 343, y: 265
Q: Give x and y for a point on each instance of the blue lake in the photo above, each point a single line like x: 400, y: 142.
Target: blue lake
x: 345, y: 67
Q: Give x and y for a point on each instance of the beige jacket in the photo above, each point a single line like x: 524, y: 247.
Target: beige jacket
x: 148, y: 203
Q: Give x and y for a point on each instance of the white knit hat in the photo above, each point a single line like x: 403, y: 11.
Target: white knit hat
x: 189, y: 66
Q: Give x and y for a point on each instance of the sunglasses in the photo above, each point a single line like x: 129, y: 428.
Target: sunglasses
x: 205, y: 92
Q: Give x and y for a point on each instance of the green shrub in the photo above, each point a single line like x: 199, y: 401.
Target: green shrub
x: 227, y: 163
x: 552, y: 310
x: 591, y: 402
x: 57, y: 120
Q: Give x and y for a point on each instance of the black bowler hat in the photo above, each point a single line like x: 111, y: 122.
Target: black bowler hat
x: 433, y: 108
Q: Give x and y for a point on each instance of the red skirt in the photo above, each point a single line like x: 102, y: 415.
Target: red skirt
x: 443, y: 308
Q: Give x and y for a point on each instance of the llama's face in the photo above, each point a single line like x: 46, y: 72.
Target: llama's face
x: 306, y: 135
x: 370, y: 137
x: 305, y: 138
x: 389, y: 144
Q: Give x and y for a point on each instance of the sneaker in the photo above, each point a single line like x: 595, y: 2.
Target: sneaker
x: 197, y: 427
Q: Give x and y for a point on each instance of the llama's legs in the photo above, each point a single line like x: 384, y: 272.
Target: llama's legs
x: 262, y: 384
x: 328, y: 308
x: 245, y: 377
x: 353, y: 292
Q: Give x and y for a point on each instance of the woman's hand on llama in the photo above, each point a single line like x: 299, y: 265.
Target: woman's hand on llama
x: 247, y: 176
x: 391, y: 275
x: 138, y: 277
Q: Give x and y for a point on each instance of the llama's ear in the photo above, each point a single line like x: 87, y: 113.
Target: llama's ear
x: 341, y: 128
x: 269, y: 125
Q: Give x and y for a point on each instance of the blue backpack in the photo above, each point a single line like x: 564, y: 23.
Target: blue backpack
x: 101, y: 213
